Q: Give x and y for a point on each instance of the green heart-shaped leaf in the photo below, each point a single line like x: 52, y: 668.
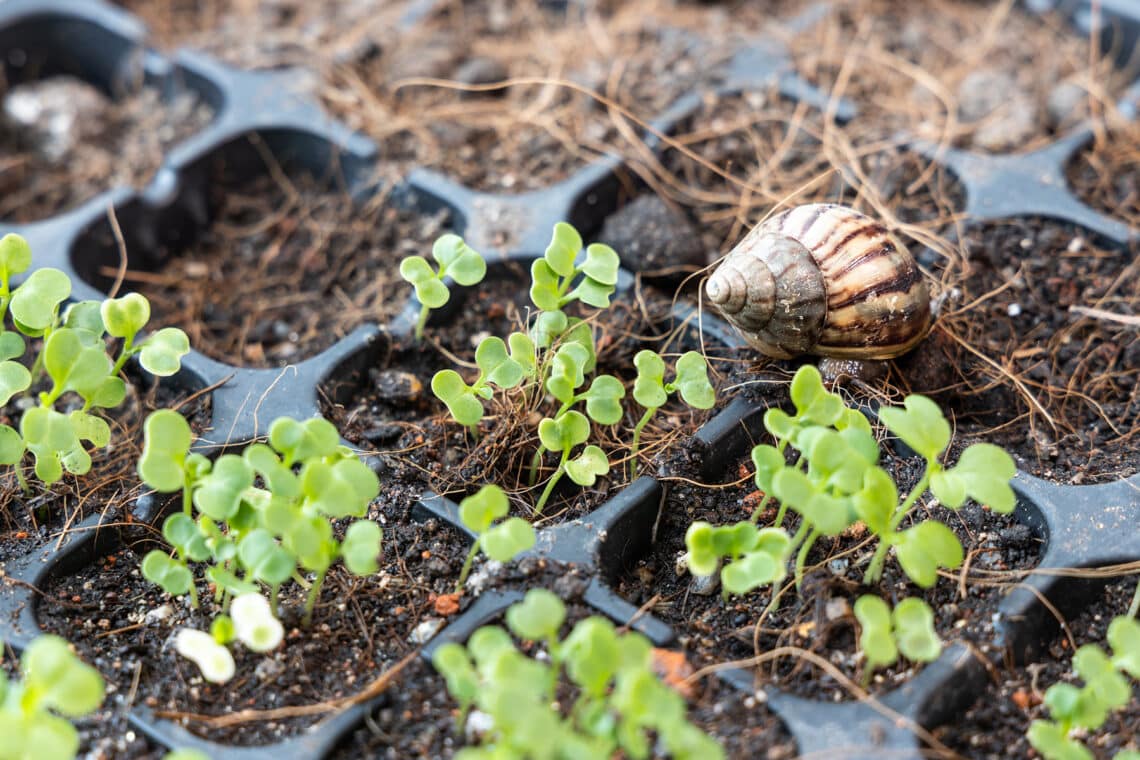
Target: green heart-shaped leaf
x: 926, y: 547
x: 35, y: 303
x: 563, y: 250
x: 166, y: 442
x: 505, y: 541
x: 537, y: 617
x: 460, y: 399
x: 300, y: 441
x: 483, y: 507
x: 920, y: 425
x: 914, y: 630
x: 174, y: 578
x: 124, y: 317
x: 693, y: 381
x: 603, y: 400
x: 565, y: 432
x: 649, y: 387
x: 15, y: 256
x: 219, y: 494
x: 588, y: 466
x: 162, y: 353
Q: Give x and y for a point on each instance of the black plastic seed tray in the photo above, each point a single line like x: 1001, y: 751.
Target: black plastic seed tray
x: 1079, y: 525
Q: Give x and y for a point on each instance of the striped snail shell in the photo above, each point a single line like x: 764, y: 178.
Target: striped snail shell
x: 823, y: 279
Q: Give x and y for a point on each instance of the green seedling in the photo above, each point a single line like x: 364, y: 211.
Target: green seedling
x: 1087, y: 707
x: 651, y: 391
x: 619, y: 708
x: 497, y: 368
x: 256, y: 536
x: 501, y: 542
x: 757, y: 557
x: 835, y: 480
x: 908, y: 629
x: 562, y: 435
x: 54, y: 686
x: 454, y: 259
x: 73, y: 358
x: 553, y: 275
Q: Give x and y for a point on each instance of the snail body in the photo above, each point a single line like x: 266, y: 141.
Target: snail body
x: 823, y: 279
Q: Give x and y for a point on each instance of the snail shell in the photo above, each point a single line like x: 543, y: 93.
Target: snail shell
x: 823, y: 279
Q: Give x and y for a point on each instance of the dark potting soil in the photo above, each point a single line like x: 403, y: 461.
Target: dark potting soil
x: 122, y: 624
x: 819, y: 617
x: 286, y: 268
x: 906, y: 68
x: 62, y: 142
x: 737, y: 721
x: 994, y: 727
x: 773, y: 151
x: 110, y: 488
x: 1048, y: 304
x: 1106, y: 173
x: 392, y: 410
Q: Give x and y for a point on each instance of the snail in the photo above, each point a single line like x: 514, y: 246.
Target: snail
x: 823, y: 279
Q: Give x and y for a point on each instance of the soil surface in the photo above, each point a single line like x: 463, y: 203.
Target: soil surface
x: 1047, y: 305
x: 994, y: 727
x: 62, y: 142
x: 391, y: 409
x: 287, y: 267
x: 111, y: 487
x: 819, y: 618
x: 122, y: 624
x: 906, y: 68
x: 744, y: 727
x: 1106, y: 173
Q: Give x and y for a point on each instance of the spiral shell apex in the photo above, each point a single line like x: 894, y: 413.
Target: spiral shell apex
x: 823, y: 279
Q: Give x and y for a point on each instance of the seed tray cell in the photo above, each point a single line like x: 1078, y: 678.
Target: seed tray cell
x: 272, y: 112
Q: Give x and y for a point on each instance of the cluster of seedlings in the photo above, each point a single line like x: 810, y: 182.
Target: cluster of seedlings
x: 284, y: 511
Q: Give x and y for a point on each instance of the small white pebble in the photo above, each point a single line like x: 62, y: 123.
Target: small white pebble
x: 1026, y: 243
x: 425, y: 630
x: 1076, y: 244
x: 1014, y: 310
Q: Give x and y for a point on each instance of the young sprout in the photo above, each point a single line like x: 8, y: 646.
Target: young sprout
x: 835, y: 479
x: 1087, y: 707
x: 561, y: 435
x: 73, y: 357
x: 568, y: 374
x: 622, y: 708
x: 502, y: 542
x: 651, y: 391
x: 262, y: 534
x: 212, y: 658
x: 53, y: 683
x: 553, y: 275
x: 455, y: 259
x: 758, y: 557
x: 497, y: 367
x: 909, y: 629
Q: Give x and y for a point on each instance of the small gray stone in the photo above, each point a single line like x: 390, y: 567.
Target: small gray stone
x: 984, y: 91
x: 1067, y: 104
x: 398, y: 387
x: 1011, y: 126
x: 425, y: 630
x: 653, y: 238
x: 57, y: 114
x: 706, y: 586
